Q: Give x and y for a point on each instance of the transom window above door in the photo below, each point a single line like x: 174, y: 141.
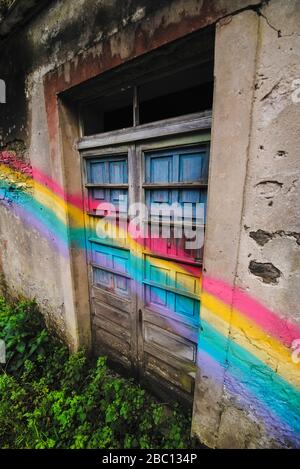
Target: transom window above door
x: 175, y: 94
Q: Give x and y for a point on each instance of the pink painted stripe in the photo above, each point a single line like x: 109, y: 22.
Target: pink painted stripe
x: 75, y: 199
x: 281, y: 329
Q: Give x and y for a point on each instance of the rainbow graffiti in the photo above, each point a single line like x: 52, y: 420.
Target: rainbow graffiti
x: 242, y: 343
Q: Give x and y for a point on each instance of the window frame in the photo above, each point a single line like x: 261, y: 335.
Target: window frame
x: 159, y: 129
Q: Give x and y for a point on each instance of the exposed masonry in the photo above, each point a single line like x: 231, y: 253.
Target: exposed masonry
x: 18, y: 181
x: 266, y: 271
x: 13, y: 155
x: 17, y: 146
x: 263, y: 237
x: 12, y: 192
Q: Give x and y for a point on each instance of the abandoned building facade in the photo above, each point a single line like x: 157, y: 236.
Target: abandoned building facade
x: 175, y: 102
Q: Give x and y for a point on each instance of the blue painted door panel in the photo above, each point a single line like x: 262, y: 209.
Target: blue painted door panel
x: 105, y: 172
x: 111, y: 269
x: 174, y: 177
x: 177, y: 165
x: 108, y: 171
x: 171, y: 291
x: 185, y: 166
x: 109, y: 259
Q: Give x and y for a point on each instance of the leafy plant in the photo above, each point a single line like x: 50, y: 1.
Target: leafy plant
x: 28, y: 343
x: 50, y: 399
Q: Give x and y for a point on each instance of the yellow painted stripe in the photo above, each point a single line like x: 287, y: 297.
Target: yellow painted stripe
x: 251, y: 337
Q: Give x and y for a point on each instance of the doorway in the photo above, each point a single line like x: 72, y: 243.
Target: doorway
x: 145, y: 140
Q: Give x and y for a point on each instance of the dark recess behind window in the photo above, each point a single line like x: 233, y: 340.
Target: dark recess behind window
x: 185, y: 92
x: 196, y: 99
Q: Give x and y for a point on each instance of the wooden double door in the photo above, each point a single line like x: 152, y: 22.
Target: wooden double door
x: 144, y: 277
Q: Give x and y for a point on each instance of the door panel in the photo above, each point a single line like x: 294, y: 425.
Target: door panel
x: 170, y: 304
x: 113, y: 301
x: 170, y: 290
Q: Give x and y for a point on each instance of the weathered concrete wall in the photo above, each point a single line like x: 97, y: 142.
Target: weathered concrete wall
x: 234, y: 86
x: 250, y: 305
x: 248, y: 384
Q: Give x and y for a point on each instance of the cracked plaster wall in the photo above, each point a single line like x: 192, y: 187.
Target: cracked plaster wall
x: 269, y: 226
x: 272, y: 192
x: 260, y: 141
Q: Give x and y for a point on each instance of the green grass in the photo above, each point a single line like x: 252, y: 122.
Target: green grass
x: 51, y: 399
